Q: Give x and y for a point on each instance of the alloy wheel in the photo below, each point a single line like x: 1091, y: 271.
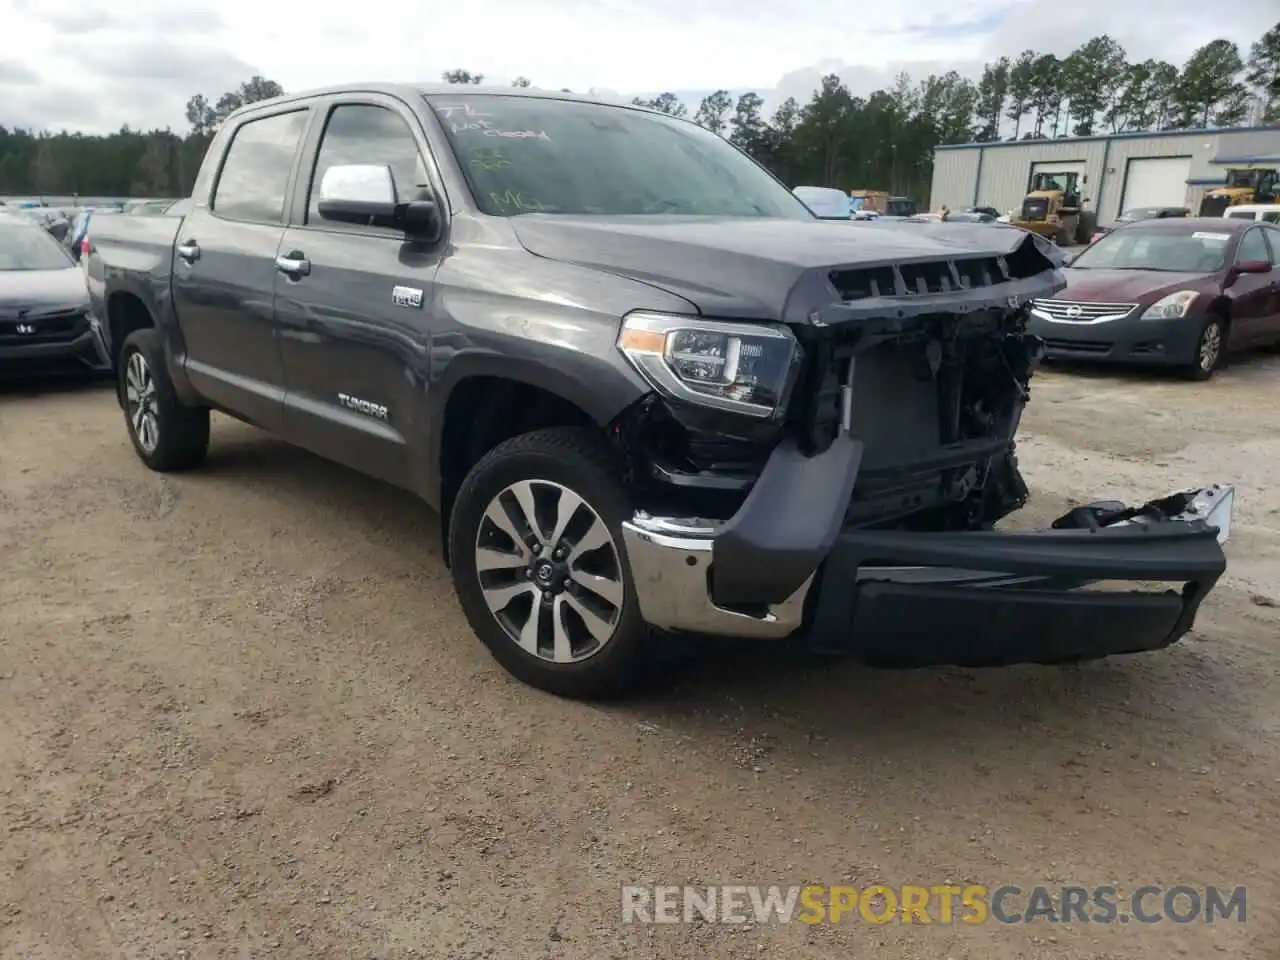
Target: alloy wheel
x: 550, y: 571
x: 142, y: 402
x: 1210, y: 346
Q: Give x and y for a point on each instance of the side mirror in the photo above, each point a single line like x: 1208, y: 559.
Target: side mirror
x: 1251, y: 266
x: 365, y: 193
x: 1068, y: 258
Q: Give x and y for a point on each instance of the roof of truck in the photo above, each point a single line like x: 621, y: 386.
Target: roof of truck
x: 436, y: 89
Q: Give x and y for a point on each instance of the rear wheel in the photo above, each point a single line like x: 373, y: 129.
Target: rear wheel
x: 539, y: 565
x: 166, y: 433
x: 1211, y: 348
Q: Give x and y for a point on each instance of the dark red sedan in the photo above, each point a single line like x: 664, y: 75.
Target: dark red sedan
x: 1180, y: 293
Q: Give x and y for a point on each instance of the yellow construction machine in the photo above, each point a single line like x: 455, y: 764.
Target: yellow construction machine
x: 1052, y: 208
x: 1243, y: 185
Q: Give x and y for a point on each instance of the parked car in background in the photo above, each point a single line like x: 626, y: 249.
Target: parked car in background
x: 826, y: 203
x: 77, y: 242
x: 899, y: 208
x: 1137, y: 214
x: 948, y: 216
x: 1264, y: 212
x: 148, y: 206
x: 45, y: 318
x: 52, y: 219
x: 969, y: 215
x: 1176, y: 292
x: 991, y: 212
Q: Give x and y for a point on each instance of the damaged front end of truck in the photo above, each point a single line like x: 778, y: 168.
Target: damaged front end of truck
x: 858, y: 504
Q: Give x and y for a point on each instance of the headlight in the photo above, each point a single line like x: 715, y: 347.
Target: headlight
x: 742, y: 368
x: 1172, y: 307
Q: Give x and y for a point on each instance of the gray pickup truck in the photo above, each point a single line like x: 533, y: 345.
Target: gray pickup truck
x: 645, y: 387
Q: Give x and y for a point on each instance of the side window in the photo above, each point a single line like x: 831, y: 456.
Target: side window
x: 1271, y: 216
x: 1240, y: 215
x: 1253, y: 246
x: 255, y: 174
x: 1273, y: 239
x: 360, y: 133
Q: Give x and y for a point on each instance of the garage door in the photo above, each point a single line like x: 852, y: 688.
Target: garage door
x: 1158, y: 182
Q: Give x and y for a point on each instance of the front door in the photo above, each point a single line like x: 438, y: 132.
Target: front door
x: 224, y: 271
x: 1252, y: 294
x: 1271, y: 331
x: 354, y: 323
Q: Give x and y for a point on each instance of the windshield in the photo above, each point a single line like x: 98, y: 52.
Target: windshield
x: 29, y: 247
x: 1164, y: 250
x: 534, y: 155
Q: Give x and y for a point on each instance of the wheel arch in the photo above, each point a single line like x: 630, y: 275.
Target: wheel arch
x: 487, y: 406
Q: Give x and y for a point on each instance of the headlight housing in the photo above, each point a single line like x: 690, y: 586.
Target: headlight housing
x: 744, y: 368
x: 1172, y: 307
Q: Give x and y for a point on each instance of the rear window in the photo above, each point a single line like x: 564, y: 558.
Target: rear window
x: 255, y: 174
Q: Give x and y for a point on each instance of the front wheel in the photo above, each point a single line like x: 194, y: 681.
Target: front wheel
x: 1210, y: 350
x: 540, y: 568
x: 166, y: 433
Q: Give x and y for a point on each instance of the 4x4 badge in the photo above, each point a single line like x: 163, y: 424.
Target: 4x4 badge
x: 26, y: 328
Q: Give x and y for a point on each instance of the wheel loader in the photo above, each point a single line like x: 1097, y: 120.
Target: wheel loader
x: 1052, y: 208
x: 1243, y: 185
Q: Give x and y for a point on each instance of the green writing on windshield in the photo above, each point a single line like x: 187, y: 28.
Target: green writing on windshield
x: 513, y: 201
x: 489, y: 159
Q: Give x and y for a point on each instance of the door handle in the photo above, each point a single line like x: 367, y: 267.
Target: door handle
x: 294, y: 264
x: 189, y: 251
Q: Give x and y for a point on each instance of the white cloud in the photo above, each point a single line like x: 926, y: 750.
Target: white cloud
x: 94, y: 65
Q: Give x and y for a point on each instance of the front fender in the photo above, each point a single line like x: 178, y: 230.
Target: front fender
x: 601, y: 387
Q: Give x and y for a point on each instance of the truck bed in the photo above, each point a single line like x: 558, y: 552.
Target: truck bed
x: 134, y: 252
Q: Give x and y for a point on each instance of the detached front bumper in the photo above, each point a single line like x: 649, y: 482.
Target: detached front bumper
x: 977, y: 598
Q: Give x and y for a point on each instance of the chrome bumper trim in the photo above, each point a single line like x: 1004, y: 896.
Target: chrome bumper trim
x: 670, y: 560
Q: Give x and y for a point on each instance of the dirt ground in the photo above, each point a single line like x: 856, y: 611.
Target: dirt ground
x: 241, y: 716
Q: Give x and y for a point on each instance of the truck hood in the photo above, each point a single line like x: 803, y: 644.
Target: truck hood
x: 40, y: 291
x: 774, y: 269
x: 1130, y: 286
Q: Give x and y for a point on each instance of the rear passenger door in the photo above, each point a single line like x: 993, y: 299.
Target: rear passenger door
x: 224, y: 270
x: 355, y: 327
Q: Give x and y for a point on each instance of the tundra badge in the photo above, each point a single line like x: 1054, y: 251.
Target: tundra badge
x: 363, y: 406
x: 406, y: 297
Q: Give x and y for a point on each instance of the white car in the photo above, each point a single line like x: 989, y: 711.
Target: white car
x: 1266, y: 212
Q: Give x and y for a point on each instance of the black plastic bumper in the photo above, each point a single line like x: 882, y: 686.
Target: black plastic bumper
x: 83, y: 350
x: 997, y: 598
x: 968, y: 598
x: 1149, y: 342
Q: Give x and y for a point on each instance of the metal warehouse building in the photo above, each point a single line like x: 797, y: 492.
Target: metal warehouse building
x: 1117, y: 172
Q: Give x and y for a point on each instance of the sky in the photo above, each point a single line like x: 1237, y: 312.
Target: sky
x: 92, y: 65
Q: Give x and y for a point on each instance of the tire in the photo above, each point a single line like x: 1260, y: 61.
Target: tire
x: 1206, y: 361
x: 565, y: 657
x: 166, y: 433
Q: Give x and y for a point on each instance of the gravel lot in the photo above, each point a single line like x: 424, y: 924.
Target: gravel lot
x: 241, y: 716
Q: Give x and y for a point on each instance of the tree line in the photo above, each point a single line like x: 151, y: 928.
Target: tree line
x: 884, y: 140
